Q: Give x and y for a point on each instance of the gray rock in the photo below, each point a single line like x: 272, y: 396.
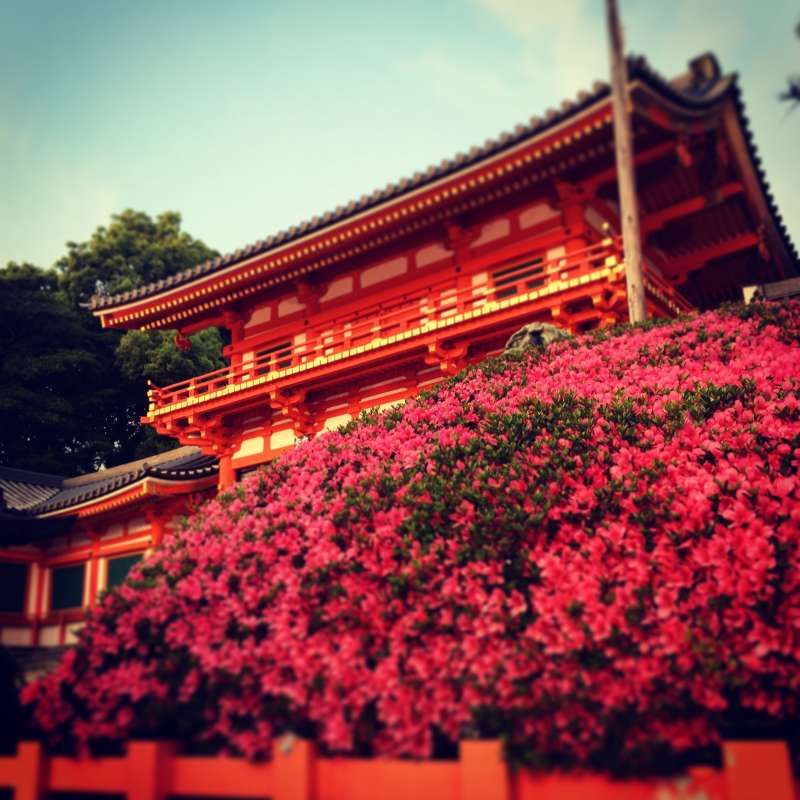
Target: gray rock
x: 535, y: 334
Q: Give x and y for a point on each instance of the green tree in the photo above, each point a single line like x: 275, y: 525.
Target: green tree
x: 72, y: 393
x: 53, y: 381
x: 131, y: 251
x: 152, y: 355
x: 134, y: 250
x: 143, y: 355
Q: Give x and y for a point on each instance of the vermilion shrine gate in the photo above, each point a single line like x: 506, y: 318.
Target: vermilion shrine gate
x: 364, y: 306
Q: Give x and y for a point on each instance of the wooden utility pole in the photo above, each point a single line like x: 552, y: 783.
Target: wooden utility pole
x: 626, y: 175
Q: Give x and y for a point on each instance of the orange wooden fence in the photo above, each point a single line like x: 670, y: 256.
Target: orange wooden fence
x: 154, y: 771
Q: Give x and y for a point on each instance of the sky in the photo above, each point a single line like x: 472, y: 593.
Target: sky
x: 250, y: 116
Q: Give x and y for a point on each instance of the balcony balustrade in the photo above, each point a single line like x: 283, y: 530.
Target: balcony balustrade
x: 439, y: 307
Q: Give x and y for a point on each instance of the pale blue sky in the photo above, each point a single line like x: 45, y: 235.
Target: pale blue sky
x: 248, y: 117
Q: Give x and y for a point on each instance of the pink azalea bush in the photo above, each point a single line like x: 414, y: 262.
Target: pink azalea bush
x: 591, y: 551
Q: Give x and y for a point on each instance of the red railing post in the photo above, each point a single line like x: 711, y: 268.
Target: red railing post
x: 483, y: 771
x: 28, y: 771
x: 757, y: 771
x: 294, y: 769
x: 147, y: 770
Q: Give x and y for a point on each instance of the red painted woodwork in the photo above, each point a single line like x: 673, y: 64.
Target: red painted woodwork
x: 442, y: 325
x: 757, y: 770
x: 527, y: 232
x: 91, y: 539
x: 752, y: 771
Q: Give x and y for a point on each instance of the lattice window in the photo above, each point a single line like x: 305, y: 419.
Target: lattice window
x: 519, y: 278
x: 13, y: 578
x: 67, y: 590
x: 276, y: 356
x: 118, y: 568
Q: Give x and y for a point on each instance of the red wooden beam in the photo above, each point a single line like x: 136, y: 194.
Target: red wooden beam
x: 697, y: 259
x: 645, y: 157
x: 658, y: 219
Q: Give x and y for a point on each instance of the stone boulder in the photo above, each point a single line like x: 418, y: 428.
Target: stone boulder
x: 535, y: 334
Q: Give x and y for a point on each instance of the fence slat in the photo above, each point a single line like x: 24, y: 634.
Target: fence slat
x: 294, y: 769
x: 757, y: 771
x: 25, y: 773
x: 148, y: 770
x: 483, y: 773
x: 220, y: 776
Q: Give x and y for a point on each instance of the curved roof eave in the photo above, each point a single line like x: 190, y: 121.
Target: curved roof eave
x: 709, y: 94
x: 187, y: 467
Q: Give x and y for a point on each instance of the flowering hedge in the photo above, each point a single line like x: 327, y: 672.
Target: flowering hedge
x: 591, y: 550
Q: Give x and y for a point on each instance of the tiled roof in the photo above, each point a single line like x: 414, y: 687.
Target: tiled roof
x: 34, y: 494
x: 22, y: 490
x: 780, y: 290
x: 33, y: 662
x: 702, y: 85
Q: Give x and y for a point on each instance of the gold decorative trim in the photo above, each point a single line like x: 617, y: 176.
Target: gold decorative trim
x: 488, y: 308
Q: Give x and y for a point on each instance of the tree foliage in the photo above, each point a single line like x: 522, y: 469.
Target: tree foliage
x: 53, y: 382
x: 131, y: 251
x: 73, y: 394
x: 792, y: 93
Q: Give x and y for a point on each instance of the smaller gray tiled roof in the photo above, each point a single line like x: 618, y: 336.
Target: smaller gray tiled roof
x: 33, y: 494
x: 33, y: 662
x: 22, y: 490
x: 780, y: 290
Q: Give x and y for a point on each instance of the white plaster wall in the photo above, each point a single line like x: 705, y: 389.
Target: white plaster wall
x: 493, y: 231
x: 431, y: 254
x: 332, y: 423
x: 250, y: 447
x: 259, y: 316
x: 338, y: 288
x: 16, y: 637
x: 137, y: 524
x: 71, y: 632
x: 289, y: 306
x: 48, y: 636
x: 537, y: 214
x: 280, y: 439
x: 384, y: 272
x: 113, y: 531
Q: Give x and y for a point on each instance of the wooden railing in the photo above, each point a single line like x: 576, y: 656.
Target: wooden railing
x: 154, y: 771
x: 412, y: 313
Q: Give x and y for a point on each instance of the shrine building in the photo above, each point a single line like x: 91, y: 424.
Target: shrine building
x: 66, y: 540
x: 366, y: 305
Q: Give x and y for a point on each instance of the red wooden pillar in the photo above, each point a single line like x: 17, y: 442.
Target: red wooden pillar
x: 38, y: 592
x: 573, y: 205
x: 757, y: 771
x: 227, y: 475
x: 27, y: 771
x: 155, y: 519
x: 234, y: 322
x: 483, y: 771
x: 94, y: 568
x: 294, y: 770
x: 147, y: 770
x: 38, y: 608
